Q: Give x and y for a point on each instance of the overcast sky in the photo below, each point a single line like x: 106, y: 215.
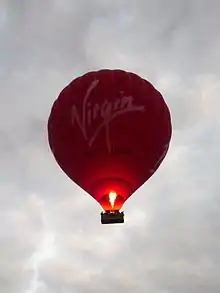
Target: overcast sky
x: 51, y: 239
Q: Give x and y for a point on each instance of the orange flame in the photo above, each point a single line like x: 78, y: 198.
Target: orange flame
x: 112, y: 198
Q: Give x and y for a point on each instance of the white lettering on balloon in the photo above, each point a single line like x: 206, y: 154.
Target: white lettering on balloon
x: 107, y: 111
x: 158, y: 162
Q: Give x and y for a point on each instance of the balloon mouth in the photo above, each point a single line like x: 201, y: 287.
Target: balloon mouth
x: 111, y: 193
x: 112, y: 201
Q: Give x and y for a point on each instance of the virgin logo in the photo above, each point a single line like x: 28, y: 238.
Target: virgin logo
x: 104, y: 112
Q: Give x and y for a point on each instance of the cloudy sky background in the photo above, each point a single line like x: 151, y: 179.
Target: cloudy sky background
x: 170, y: 241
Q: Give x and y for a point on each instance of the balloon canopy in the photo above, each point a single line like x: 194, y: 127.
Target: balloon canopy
x: 109, y: 131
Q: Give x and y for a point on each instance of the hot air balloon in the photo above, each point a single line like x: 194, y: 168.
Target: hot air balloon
x: 109, y: 131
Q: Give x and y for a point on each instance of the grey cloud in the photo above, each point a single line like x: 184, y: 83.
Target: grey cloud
x: 51, y: 237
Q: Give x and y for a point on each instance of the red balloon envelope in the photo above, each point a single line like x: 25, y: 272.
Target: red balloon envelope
x: 109, y: 131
